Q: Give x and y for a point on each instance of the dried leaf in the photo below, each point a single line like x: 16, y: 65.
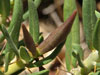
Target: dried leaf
x: 57, y: 36
x: 29, y: 41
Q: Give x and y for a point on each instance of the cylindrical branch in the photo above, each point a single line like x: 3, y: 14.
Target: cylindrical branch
x: 57, y: 36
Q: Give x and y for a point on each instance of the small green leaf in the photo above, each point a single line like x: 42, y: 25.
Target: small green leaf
x: 7, y: 60
x: 24, y: 55
x: 74, y: 35
x: 97, y: 14
x: 8, y: 57
x: 44, y: 72
x: 96, y: 36
x: 78, y: 49
x: 89, y: 20
x: 77, y: 54
x: 33, y: 21
x: 4, y: 9
x: 36, y: 3
x: 40, y: 39
x: 9, y: 40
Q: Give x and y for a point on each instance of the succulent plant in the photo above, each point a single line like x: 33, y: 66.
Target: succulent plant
x: 33, y: 45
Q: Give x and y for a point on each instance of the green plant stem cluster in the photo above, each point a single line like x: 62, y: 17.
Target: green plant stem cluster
x: 26, y: 55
